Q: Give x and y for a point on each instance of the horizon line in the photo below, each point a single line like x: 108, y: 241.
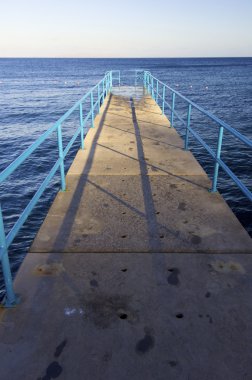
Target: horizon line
x: 178, y: 57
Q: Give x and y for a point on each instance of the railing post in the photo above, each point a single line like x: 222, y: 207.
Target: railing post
x: 11, y: 299
x: 106, y: 85
x: 152, y: 88
x: 216, y: 166
x: 188, y: 125
x: 157, y: 92
x: 82, y: 127
x: 103, y: 90
x: 148, y: 84
x: 163, y: 104
x: 111, y: 80
x: 92, y: 108
x: 61, y: 156
x: 99, y: 98
x: 173, y: 107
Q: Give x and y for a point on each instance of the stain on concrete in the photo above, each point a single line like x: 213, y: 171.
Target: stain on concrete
x: 196, y: 239
x: 103, y: 310
x: 106, y: 205
x: 227, y: 267
x: 182, y: 206
x: 173, y: 186
x: 147, y: 343
x: 94, y: 283
x: 179, y: 315
x: 209, y: 318
x: 173, y: 363
x: 60, y: 348
x: 52, y: 372
x: 49, y: 269
x: 208, y: 294
x: 173, y: 278
x: 122, y: 314
x: 107, y: 357
x: 154, y: 169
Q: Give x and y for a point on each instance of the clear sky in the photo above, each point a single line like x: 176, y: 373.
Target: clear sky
x: 129, y: 28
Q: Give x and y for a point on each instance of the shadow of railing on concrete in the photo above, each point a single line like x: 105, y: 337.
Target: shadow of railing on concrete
x: 66, y: 227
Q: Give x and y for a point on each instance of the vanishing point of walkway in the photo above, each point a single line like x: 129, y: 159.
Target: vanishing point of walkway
x: 138, y: 272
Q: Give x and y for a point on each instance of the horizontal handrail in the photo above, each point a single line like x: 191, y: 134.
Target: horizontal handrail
x: 118, y: 78
x: 20, y: 222
x: 232, y: 130
x: 100, y: 90
x: 19, y: 160
x: 152, y: 84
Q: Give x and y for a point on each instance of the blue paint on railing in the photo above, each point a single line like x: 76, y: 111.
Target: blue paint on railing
x: 150, y: 83
x: 11, y: 298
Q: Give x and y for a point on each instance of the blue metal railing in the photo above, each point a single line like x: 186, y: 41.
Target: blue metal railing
x: 153, y: 87
x: 130, y: 77
x: 98, y: 92
x: 114, y: 78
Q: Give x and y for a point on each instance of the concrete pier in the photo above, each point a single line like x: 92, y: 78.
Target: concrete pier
x: 138, y: 272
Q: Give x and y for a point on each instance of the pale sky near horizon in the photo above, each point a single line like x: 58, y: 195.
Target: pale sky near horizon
x: 110, y: 28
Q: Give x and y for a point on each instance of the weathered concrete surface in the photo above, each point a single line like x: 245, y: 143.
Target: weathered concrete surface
x: 114, y: 214
x: 134, y: 189
x: 124, y: 316
x: 128, y: 141
x: 131, y: 310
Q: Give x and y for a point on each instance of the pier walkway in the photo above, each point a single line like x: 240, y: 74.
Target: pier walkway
x: 138, y: 271
x: 135, y: 189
